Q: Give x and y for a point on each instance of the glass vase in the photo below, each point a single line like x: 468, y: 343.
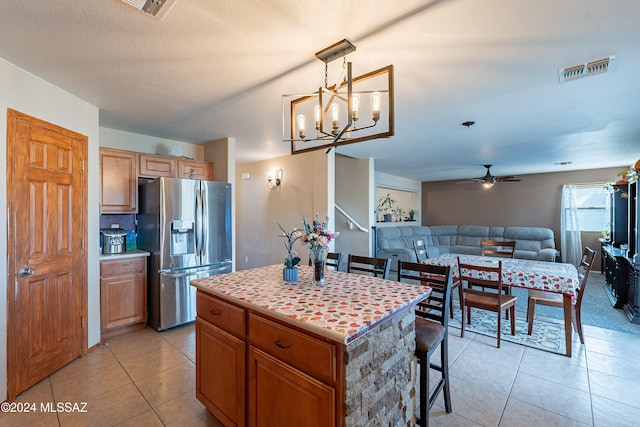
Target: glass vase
x: 318, y: 256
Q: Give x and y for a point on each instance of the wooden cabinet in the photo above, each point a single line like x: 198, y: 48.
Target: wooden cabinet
x: 619, y: 215
x: 220, y: 373
x: 153, y: 166
x: 220, y: 359
x: 632, y: 307
x: 195, y: 169
x: 621, y: 272
x: 120, y: 170
x: 280, y: 395
x: 615, y: 270
x: 119, y: 181
x: 287, y: 366
x: 123, y: 295
x: 253, y: 370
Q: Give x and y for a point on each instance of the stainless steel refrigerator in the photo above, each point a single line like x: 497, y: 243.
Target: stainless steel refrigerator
x: 186, y: 226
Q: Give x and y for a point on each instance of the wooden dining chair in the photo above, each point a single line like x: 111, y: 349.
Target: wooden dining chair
x: 422, y: 254
x: 495, y: 248
x: 487, y: 276
x: 379, y: 267
x: 555, y: 300
x: 334, y: 260
x: 420, y: 249
x: 431, y: 325
x: 504, y: 249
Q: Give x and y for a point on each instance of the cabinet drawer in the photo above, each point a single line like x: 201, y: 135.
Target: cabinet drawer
x: 222, y: 314
x: 313, y: 356
x: 120, y: 266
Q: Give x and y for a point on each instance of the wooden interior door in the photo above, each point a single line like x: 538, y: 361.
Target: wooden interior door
x: 46, y: 196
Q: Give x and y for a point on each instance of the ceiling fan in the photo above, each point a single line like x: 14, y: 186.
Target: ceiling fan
x: 488, y: 180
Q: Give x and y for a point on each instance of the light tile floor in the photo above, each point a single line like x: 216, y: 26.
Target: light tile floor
x: 147, y: 378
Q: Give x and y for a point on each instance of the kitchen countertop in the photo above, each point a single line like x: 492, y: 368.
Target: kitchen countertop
x: 348, y: 306
x: 125, y: 254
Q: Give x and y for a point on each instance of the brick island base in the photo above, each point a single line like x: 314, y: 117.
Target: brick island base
x: 380, y: 375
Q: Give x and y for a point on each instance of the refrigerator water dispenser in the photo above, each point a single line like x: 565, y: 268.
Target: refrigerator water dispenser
x: 182, y: 237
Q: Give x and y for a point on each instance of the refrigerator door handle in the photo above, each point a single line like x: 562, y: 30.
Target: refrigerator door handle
x: 178, y: 275
x: 199, y: 240
x: 204, y: 271
x: 204, y: 213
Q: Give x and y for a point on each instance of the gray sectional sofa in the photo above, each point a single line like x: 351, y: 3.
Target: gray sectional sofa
x: 396, y: 243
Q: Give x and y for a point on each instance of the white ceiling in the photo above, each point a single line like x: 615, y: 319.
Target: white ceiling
x: 217, y: 68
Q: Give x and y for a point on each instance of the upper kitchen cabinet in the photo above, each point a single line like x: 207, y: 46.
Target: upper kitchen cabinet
x: 195, y: 169
x: 154, y: 166
x: 119, y: 179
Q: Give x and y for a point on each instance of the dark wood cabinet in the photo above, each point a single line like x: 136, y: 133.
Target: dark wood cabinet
x: 632, y: 307
x: 619, y: 215
x: 621, y: 271
x: 615, y: 270
x: 632, y: 218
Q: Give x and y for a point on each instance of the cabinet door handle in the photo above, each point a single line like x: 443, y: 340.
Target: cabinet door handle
x: 279, y: 344
x: 214, y: 313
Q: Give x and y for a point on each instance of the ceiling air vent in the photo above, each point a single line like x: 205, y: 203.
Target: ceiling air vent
x: 155, y: 8
x: 587, y: 69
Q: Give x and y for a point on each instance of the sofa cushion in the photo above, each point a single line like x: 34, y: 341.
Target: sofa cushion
x: 442, y: 235
x: 389, y: 237
x: 530, y: 238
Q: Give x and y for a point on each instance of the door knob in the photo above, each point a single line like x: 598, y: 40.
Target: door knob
x: 26, y: 271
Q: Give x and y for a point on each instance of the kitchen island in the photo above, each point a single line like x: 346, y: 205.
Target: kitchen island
x: 274, y: 353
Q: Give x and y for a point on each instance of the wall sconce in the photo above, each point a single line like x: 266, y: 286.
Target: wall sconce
x: 274, y: 179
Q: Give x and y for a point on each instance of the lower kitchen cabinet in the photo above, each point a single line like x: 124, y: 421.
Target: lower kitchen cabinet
x: 280, y: 395
x: 253, y: 370
x: 123, y: 295
x: 220, y: 373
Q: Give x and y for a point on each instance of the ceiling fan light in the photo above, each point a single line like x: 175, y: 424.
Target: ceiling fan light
x: 487, y: 184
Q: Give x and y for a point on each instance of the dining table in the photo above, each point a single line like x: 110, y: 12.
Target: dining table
x: 545, y: 276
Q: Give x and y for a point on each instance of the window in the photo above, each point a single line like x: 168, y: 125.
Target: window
x: 593, y: 207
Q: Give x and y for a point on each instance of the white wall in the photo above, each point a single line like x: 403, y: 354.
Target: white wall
x: 354, y: 194
x: 113, y: 138
x: 24, y: 92
x: 306, y: 189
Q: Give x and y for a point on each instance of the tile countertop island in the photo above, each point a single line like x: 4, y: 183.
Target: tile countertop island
x: 349, y: 345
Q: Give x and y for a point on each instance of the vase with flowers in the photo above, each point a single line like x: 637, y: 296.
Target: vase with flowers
x: 290, y: 270
x: 318, y: 237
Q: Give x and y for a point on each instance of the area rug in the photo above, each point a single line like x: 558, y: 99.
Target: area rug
x: 547, y: 334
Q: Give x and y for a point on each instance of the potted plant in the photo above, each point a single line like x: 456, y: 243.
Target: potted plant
x: 387, y: 205
x: 412, y: 214
x: 290, y: 270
